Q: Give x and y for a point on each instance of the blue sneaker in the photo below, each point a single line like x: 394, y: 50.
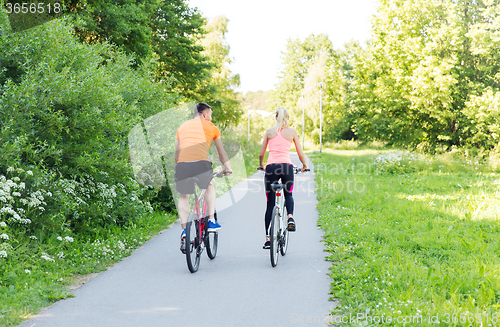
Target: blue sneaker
x: 213, y: 226
x: 183, y: 241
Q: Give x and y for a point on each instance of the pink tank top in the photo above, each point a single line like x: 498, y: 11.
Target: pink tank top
x: 279, y: 150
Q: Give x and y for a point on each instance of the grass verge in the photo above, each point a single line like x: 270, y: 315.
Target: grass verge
x: 412, y: 240
x: 38, y: 274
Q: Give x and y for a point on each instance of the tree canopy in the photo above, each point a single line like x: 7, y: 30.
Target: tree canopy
x: 429, y: 77
x: 169, y: 33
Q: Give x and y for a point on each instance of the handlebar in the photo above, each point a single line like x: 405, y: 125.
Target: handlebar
x: 221, y: 174
x: 298, y: 170
x: 295, y: 169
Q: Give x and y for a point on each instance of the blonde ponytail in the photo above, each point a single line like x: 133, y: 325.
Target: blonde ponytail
x: 281, y: 118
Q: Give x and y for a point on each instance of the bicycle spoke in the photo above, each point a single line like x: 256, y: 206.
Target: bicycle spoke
x: 285, y: 234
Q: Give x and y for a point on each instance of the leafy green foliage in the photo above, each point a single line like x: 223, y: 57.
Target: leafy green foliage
x: 429, y: 62
x: 428, y: 77
x: 67, y: 114
x: 125, y: 23
x: 218, y: 89
x: 176, y: 30
x: 303, y: 69
x: 168, y: 31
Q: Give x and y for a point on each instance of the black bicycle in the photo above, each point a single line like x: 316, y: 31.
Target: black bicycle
x: 278, y: 229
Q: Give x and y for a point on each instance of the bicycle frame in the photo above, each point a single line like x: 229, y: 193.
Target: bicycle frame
x: 198, y: 238
x: 200, y: 212
x: 280, y: 204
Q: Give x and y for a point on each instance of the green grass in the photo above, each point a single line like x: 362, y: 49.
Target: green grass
x: 251, y: 151
x: 415, y: 238
x: 38, y: 273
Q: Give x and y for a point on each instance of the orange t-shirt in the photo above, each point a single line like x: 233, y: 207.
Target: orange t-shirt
x: 195, y: 137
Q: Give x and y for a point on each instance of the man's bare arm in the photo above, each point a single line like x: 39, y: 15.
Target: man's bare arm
x: 223, y: 157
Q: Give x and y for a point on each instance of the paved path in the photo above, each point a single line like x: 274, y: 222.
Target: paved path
x: 153, y: 287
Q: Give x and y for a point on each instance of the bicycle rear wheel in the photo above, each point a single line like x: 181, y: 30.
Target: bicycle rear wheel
x: 193, y: 251
x: 285, y: 234
x: 211, y: 241
x: 274, y: 234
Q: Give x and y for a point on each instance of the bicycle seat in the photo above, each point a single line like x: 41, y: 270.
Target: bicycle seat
x: 276, y: 187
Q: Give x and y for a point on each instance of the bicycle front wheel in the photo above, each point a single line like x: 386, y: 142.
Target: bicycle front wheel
x: 274, y: 234
x: 211, y: 241
x: 285, y: 234
x: 193, y: 243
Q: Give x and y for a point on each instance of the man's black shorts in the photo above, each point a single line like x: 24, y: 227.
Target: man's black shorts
x: 202, y: 170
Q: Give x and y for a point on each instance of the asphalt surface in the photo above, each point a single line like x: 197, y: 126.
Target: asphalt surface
x: 153, y: 287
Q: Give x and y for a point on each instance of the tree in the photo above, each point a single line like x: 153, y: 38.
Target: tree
x: 218, y: 88
x: 425, y: 68
x: 167, y: 30
x: 177, y: 30
x: 298, y: 59
x: 126, y: 23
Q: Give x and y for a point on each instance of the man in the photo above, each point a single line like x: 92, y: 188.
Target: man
x: 191, y: 156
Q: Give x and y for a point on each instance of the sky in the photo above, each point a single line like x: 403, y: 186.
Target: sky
x: 258, y: 31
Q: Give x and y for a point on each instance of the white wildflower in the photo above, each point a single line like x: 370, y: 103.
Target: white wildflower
x: 4, y: 236
x: 16, y: 194
x: 121, y: 246
x: 69, y: 239
x: 16, y: 179
x: 3, y: 254
x: 15, y: 217
x: 46, y: 257
x: 61, y: 255
x: 10, y: 169
x: 8, y: 210
x: 33, y: 237
x: 22, y: 185
x: 3, y: 224
x: 59, y: 238
x: 29, y: 172
x: 20, y: 170
x: 27, y: 271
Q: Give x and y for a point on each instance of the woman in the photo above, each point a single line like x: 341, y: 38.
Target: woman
x: 279, y: 165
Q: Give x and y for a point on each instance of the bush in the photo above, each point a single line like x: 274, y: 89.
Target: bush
x: 66, y: 110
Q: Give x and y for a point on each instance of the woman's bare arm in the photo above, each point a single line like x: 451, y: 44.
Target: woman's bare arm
x: 300, y: 153
x: 263, y: 151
